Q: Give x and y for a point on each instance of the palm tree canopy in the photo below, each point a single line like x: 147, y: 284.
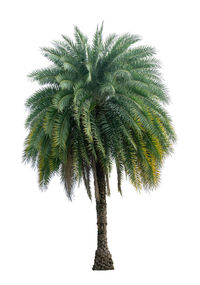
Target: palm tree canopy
x: 100, y: 101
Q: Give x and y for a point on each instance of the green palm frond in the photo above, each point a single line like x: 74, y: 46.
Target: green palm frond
x: 99, y: 102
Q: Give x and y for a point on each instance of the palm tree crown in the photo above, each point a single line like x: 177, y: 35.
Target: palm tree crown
x: 99, y: 102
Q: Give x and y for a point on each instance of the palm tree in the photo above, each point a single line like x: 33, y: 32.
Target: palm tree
x: 99, y: 103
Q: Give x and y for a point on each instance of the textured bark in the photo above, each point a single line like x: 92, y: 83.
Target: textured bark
x: 103, y: 258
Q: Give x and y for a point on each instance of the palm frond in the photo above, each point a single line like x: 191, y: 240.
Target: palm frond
x: 99, y: 103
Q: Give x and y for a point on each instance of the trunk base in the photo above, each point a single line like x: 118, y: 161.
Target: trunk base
x: 103, y: 260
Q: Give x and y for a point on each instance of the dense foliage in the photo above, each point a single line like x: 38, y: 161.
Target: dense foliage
x: 100, y: 101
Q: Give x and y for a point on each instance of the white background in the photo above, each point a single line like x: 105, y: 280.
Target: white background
x: 153, y: 237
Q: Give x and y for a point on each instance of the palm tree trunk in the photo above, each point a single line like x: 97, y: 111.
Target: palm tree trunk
x: 103, y: 258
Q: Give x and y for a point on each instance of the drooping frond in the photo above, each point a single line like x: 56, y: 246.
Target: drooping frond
x: 68, y: 174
